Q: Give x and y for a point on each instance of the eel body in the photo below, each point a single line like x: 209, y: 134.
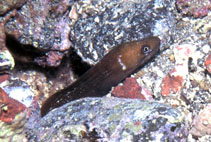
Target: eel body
x: 120, y: 62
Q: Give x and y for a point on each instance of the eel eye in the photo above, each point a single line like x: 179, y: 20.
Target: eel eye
x: 145, y: 49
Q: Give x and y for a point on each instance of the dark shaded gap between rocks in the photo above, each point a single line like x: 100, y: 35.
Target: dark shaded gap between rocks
x: 24, y: 56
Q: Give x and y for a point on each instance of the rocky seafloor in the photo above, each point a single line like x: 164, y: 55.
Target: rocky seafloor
x: 47, y: 45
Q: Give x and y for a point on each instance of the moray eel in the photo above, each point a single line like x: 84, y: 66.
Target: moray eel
x: 120, y: 62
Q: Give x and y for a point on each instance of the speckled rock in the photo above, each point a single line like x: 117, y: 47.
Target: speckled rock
x: 43, y: 25
x: 202, y: 122
x: 105, y: 24
x: 93, y: 27
x: 192, y: 96
x: 111, y: 119
x: 196, y: 8
x: 6, y: 5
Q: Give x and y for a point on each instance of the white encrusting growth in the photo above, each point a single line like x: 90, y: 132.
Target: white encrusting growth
x: 21, y: 93
x: 124, y: 67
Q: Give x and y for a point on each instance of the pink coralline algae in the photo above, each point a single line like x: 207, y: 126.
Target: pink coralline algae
x: 9, y: 107
x: 52, y: 58
x: 208, y: 63
x: 201, y: 12
x: 175, y: 79
x: 4, y: 77
x: 171, y: 83
x: 131, y: 89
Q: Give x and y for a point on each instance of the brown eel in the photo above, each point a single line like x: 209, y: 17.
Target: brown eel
x: 112, y: 69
